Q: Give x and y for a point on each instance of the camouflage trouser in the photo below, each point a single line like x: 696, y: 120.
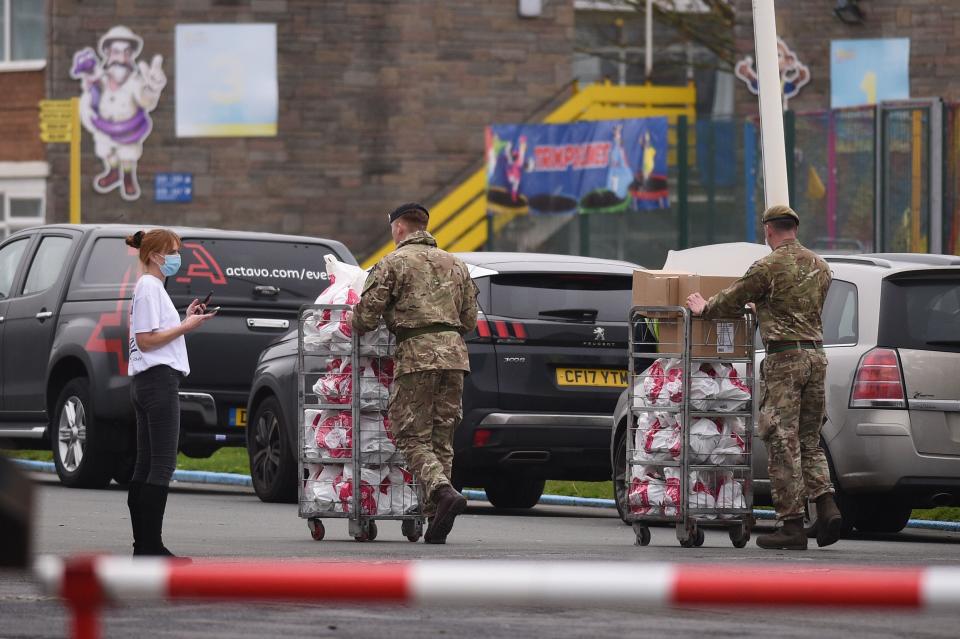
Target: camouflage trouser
x: 791, y: 415
x: 425, y: 408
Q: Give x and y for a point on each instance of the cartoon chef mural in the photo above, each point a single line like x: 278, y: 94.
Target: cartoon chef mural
x: 118, y: 95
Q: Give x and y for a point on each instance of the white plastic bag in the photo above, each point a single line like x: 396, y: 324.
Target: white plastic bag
x: 657, y: 438
x: 732, y: 392
x: 730, y: 494
x: 311, y: 418
x: 334, y: 434
x: 336, y: 385
x: 377, y: 445
x: 370, y: 480
x: 398, y: 495
x: 703, y: 390
x: 731, y: 448
x: 701, y: 495
x: 661, y: 385
x: 704, y: 436
x: 320, y: 487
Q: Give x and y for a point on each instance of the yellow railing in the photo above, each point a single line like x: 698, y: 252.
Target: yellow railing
x: 459, y: 220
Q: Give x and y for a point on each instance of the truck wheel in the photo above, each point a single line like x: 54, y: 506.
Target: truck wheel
x: 514, y: 492
x: 273, y: 466
x: 80, y: 453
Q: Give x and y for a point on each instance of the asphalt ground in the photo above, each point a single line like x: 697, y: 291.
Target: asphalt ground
x: 231, y: 523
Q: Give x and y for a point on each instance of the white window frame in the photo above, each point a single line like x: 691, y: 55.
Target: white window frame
x: 6, y: 64
x: 22, y: 180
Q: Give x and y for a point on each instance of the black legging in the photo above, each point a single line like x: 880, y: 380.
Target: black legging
x: 156, y: 400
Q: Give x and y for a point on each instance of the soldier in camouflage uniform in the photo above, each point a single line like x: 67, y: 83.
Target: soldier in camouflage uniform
x: 428, y: 300
x: 788, y: 287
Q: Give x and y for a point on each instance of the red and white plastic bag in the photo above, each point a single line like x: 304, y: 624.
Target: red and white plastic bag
x: 731, y: 448
x: 334, y: 434
x: 700, y: 494
x: 729, y: 494
x: 398, y: 493
x: 320, y: 486
x: 377, y: 445
x: 370, y: 480
x: 661, y: 385
x: 657, y: 438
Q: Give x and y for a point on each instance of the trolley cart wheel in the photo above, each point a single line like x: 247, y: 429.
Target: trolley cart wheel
x: 739, y: 536
x: 317, y: 531
x: 412, y: 529
x: 643, y: 534
x: 368, y: 531
x: 699, y: 537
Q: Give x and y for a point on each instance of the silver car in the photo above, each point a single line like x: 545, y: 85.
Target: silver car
x: 892, y: 431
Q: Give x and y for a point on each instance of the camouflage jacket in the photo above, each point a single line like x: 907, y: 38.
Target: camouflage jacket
x: 788, y: 286
x: 415, y: 286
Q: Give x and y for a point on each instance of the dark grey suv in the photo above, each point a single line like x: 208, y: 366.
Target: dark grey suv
x: 548, y: 360
x: 64, y: 314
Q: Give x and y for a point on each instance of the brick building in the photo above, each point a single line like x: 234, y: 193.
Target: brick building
x: 808, y: 28
x: 382, y: 101
x: 379, y: 102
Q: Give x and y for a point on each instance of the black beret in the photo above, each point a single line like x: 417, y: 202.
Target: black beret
x: 409, y: 207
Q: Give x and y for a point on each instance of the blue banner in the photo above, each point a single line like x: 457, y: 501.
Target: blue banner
x: 607, y: 166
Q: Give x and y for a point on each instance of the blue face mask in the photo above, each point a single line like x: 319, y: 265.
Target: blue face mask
x: 171, y: 264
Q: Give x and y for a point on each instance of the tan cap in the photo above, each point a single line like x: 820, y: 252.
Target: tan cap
x: 780, y: 212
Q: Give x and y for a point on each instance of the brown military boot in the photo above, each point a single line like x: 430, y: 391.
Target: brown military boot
x: 790, y: 536
x: 829, y: 521
x: 449, y: 503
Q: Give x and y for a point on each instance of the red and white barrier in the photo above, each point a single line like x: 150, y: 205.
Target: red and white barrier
x: 88, y: 583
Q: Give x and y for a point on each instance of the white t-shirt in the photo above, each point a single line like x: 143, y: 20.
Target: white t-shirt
x: 152, y: 310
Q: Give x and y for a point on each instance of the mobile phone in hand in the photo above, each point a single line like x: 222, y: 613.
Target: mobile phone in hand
x: 206, y: 300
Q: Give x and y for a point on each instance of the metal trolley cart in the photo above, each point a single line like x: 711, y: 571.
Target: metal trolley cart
x: 689, y: 440
x: 350, y: 467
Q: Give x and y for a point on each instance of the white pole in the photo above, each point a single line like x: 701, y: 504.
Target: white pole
x: 771, y: 104
x: 648, y: 65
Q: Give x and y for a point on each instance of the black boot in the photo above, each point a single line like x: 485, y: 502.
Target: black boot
x: 133, y: 504
x: 449, y: 503
x: 790, y: 536
x: 829, y: 521
x: 153, y: 503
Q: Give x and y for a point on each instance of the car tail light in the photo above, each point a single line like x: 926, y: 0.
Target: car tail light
x: 878, y: 382
x: 482, y: 333
x: 481, y: 437
x: 502, y: 331
x: 519, y: 331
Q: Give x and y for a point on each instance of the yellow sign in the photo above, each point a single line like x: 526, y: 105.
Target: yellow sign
x: 605, y: 377
x: 54, y: 138
x: 56, y: 121
x: 59, y: 123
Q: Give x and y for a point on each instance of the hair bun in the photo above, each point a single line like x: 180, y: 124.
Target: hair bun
x: 135, y: 240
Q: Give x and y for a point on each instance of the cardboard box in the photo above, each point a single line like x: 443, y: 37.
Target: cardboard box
x: 709, y: 338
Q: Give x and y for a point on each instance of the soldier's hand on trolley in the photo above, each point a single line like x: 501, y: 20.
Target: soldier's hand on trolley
x: 696, y: 303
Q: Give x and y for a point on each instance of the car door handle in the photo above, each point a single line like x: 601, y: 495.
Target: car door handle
x: 254, y: 322
x: 42, y: 315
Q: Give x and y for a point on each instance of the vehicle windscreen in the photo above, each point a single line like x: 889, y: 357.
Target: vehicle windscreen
x: 921, y: 311
x: 570, y: 297
x: 251, y: 271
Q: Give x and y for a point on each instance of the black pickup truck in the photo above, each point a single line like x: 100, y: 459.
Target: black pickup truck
x: 64, y: 315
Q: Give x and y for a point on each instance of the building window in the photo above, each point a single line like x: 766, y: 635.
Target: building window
x: 23, y: 31
x: 19, y: 208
